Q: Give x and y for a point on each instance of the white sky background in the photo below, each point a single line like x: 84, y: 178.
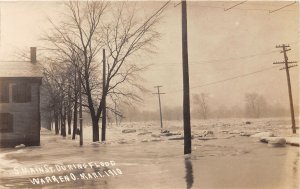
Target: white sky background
x: 217, y: 39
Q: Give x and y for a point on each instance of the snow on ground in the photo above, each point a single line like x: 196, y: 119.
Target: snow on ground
x: 222, y: 157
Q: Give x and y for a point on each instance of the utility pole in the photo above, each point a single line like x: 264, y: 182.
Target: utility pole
x: 160, y: 113
x: 287, y: 66
x: 103, y: 100
x: 186, y: 85
x: 80, y: 110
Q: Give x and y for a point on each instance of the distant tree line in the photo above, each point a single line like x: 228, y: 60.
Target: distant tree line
x: 254, y: 106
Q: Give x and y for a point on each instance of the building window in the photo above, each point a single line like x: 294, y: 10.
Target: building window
x: 6, y: 122
x: 21, y: 93
x: 4, y: 92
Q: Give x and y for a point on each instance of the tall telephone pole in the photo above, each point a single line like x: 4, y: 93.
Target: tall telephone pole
x: 287, y: 66
x: 103, y: 133
x: 160, y: 113
x: 186, y: 85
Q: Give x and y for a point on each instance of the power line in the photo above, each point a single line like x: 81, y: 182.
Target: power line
x: 13, y: 61
x: 282, y: 7
x: 234, y: 5
x: 223, y: 60
x: 265, y: 3
x: 227, y: 79
x: 237, y: 8
x: 200, y: 62
x: 175, y: 5
x: 241, y: 57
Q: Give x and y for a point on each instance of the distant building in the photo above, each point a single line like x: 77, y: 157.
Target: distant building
x: 20, y: 102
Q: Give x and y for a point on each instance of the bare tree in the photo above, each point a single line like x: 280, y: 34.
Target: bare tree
x: 201, y: 103
x: 80, y: 38
x: 255, y: 105
x: 53, y: 82
x: 221, y: 112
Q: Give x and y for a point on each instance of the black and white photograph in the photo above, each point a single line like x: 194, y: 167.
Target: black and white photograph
x: 149, y: 94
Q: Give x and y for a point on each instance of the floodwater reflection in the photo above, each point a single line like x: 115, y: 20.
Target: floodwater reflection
x: 295, y: 168
x: 189, y: 177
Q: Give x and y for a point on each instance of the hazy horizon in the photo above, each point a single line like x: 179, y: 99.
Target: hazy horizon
x: 230, y: 52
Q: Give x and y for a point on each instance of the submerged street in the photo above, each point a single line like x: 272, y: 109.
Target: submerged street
x: 149, y: 160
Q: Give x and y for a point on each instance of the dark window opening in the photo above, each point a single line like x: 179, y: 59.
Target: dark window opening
x: 4, y: 92
x: 6, y: 122
x: 21, y: 93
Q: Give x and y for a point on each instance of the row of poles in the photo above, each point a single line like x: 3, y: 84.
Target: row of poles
x: 186, y: 92
x: 186, y: 88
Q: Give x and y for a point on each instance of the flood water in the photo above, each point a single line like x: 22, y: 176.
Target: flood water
x: 223, y: 163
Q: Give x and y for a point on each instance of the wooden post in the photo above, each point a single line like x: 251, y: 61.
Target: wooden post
x: 289, y: 89
x: 160, y: 113
x: 186, y: 87
x: 287, y: 66
x: 103, y: 134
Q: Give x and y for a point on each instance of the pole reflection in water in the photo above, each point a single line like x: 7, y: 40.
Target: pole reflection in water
x: 295, y: 168
x: 189, y: 177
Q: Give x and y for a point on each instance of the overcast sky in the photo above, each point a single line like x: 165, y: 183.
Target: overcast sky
x: 222, y: 45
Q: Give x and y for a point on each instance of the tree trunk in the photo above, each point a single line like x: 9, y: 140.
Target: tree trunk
x: 69, y: 121
x: 56, y: 123
x: 50, y: 121
x: 95, y: 129
x: 59, y: 121
x: 63, y: 121
x: 69, y: 114
x: 75, y: 107
x: 63, y: 128
x: 75, y: 119
x: 94, y: 115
